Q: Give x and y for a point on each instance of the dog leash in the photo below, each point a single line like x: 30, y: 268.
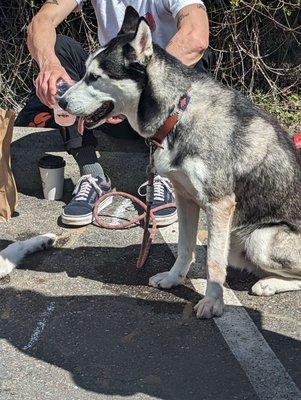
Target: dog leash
x: 148, y: 216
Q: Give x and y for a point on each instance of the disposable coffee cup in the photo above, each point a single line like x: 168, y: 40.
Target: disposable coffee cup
x: 52, y: 170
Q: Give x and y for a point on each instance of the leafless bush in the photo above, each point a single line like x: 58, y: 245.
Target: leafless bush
x: 255, y: 44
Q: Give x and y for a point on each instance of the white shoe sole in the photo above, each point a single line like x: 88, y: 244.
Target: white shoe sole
x: 166, y: 220
x: 81, y: 220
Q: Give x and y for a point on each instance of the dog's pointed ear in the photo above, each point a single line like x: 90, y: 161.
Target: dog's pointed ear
x: 142, y: 42
x: 130, y: 21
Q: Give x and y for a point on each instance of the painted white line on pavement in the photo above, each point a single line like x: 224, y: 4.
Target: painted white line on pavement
x: 36, y: 334
x: 267, y: 375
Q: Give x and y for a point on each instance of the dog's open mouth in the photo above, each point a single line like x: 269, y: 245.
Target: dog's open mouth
x: 91, y: 120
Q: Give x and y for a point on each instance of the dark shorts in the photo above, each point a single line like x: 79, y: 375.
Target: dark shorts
x: 73, y: 57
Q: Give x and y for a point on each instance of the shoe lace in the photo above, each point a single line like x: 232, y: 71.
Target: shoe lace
x: 160, y: 186
x: 84, y: 186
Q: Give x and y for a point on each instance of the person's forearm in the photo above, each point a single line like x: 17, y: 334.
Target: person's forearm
x: 181, y: 47
x: 41, y: 40
x: 185, y: 48
x: 191, y: 40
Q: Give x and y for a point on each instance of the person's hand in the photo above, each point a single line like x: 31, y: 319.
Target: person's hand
x: 116, y: 120
x: 46, y: 82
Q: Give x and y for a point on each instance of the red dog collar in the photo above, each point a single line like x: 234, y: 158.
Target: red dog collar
x: 172, y: 120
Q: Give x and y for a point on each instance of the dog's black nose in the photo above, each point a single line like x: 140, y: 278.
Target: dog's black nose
x: 63, y: 103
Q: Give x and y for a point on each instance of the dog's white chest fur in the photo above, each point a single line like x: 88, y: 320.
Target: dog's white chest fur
x: 188, y: 180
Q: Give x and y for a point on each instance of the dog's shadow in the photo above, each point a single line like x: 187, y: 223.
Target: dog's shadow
x: 112, y: 266
x: 116, y: 265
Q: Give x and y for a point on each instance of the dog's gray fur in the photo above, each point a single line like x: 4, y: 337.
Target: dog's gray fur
x: 225, y: 155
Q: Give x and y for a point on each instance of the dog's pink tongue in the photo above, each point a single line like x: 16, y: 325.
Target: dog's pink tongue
x: 81, y: 125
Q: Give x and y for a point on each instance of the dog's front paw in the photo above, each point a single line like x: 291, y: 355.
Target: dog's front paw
x: 263, y: 288
x: 47, y: 240
x: 209, y: 307
x: 6, y: 267
x: 165, y: 280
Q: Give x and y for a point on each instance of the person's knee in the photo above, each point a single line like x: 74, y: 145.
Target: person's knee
x: 62, y: 44
x: 65, y: 44
x: 204, y: 65
x: 72, y: 56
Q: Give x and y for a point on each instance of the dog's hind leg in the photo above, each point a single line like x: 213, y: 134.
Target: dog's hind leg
x: 276, y: 251
x: 274, y: 284
x: 188, y: 215
x: 219, y: 215
x: 237, y: 256
x: 13, y: 254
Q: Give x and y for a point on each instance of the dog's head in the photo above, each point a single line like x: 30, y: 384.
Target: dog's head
x: 115, y: 75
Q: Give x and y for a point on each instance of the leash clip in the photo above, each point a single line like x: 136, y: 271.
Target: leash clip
x: 153, y: 144
x: 150, y: 169
x: 149, y: 194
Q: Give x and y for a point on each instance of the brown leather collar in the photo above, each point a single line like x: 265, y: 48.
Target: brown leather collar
x: 171, y: 121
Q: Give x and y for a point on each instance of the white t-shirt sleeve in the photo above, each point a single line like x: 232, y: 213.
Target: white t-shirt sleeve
x: 79, y: 5
x: 175, y: 6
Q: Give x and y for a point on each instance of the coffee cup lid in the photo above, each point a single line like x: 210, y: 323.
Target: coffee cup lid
x: 51, y: 162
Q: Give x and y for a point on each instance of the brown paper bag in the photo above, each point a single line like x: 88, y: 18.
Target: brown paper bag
x: 8, y: 190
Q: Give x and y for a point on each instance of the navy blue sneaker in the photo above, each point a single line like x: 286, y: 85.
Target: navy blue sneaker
x: 163, y: 194
x: 80, y: 209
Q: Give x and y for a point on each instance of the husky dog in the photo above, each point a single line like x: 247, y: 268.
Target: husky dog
x: 14, y: 253
x: 225, y: 156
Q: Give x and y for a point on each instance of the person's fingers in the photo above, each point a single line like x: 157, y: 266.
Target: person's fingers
x: 46, y: 84
x: 38, y: 88
x: 45, y: 89
x: 54, y: 77
x: 66, y: 77
x: 42, y: 88
x: 112, y: 121
x: 52, y: 83
x: 52, y: 87
x: 115, y: 120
